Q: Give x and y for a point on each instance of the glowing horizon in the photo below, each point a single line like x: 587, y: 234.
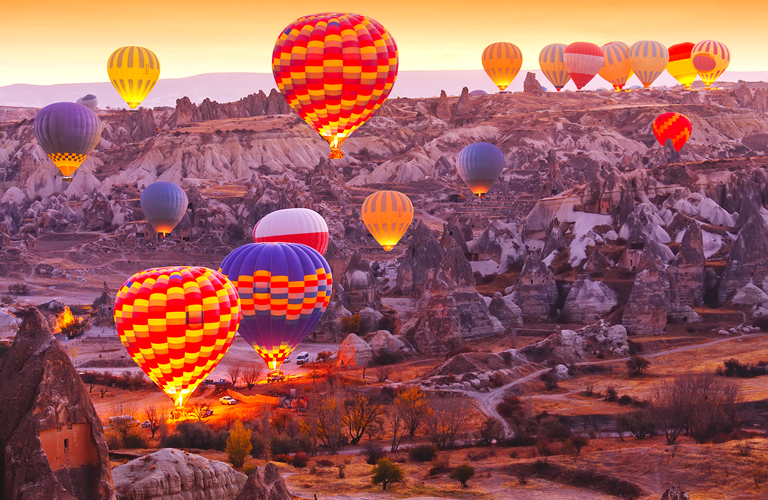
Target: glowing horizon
x: 58, y: 42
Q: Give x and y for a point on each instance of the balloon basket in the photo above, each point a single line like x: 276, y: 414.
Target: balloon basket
x: 67, y: 178
x: 336, y: 154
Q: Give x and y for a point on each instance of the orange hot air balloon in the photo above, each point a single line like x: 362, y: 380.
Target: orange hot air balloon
x: 616, y: 69
x: 710, y: 58
x: 648, y: 60
x: 680, y: 64
x: 552, y: 64
x: 177, y: 323
x: 387, y: 215
x: 502, y: 62
x: 672, y: 126
x: 335, y: 70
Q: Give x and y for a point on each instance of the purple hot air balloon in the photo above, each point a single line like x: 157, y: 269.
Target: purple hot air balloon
x: 67, y: 132
x: 284, y: 289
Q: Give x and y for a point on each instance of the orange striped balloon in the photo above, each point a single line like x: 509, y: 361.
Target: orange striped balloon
x: 502, y: 62
x: 648, y: 60
x: 552, y: 64
x: 387, y: 215
x: 177, y: 323
x: 616, y: 69
x: 710, y: 58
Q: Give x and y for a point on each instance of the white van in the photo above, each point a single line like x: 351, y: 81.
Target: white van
x: 302, y: 357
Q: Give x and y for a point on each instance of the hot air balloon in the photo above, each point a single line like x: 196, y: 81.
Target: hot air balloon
x: 67, y: 132
x: 479, y: 166
x: 387, y: 215
x: 89, y: 101
x: 335, y: 70
x: 648, y: 60
x: 680, y: 64
x: 502, y: 62
x: 284, y: 290
x: 552, y: 64
x: 616, y: 69
x: 134, y: 71
x: 583, y: 60
x: 164, y: 204
x: 293, y: 225
x: 672, y: 126
x: 177, y: 323
x: 710, y: 58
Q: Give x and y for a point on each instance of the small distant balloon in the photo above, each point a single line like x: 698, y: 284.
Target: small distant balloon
x: 478, y: 92
x: 648, y: 60
x: 711, y: 59
x: 583, y: 60
x: 680, y: 64
x: 552, y: 64
x: 672, y: 126
x: 133, y: 71
x: 164, y: 204
x: 479, y: 166
x: 616, y: 69
x: 89, y: 101
x: 502, y: 62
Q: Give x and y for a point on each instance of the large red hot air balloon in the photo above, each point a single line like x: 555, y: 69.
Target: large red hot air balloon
x: 672, y: 126
x: 583, y: 60
x: 177, y: 323
x: 335, y: 70
x: 293, y: 225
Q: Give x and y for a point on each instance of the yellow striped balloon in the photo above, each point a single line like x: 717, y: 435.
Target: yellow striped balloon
x: 502, y: 62
x: 710, y: 58
x: 648, y: 60
x: 134, y: 71
x: 616, y: 69
x: 552, y: 64
x: 387, y: 215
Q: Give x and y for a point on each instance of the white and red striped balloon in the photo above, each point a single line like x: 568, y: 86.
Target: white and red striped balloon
x: 293, y: 225
x: 583, y: 60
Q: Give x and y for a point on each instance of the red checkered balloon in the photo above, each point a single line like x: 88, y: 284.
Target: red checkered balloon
x: 177, y: 323
x: 672, y: 126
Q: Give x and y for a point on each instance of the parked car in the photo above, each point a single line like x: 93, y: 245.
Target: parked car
x: 302, y: 357
x: 208, y: 381
x: 227, y: 400
x: 287, y: 359
x: 146, y: 424
x: 209, y: 412
x: 123, y: 419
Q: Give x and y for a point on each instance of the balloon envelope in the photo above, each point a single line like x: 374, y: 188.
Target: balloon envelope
x: 672, y: 126
x: 164, y: 204
x: 335, y: 70
x: 133, y: 71
x: 616, y: 69
x: 479, y: 166
x: 710, y: 58
x: 177, y: 323
x: 680, y: 64
x: 284, y: 289
x: 387, y: 215
x: 67, y: 132
x: 293, y: 225
x: 89, y: 101
x: 648, y: 60
x: 583, y: 60
x: 502, y: 62
x: 552, y: 64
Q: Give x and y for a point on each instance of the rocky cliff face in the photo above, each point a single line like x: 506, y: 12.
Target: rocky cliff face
x: 588, y: 301
x: 52, y: 439
x: 535, y: 291
x: 646, y: 311
x: 265, y: 483
x: 747, y: 262
x: 686, y: 274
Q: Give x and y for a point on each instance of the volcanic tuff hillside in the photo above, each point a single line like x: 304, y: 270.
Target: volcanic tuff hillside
x: 590, y: 219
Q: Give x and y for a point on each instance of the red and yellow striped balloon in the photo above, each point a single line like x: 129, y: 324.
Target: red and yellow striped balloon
x: 177, y: 323
x: 335, y: 70
x: 680, y: 64
x: 710, y: 58
x: 672, y: 126
x: 387, y: 215
x: 502, y: 62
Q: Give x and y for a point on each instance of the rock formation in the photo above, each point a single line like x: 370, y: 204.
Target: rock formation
x: 359, y: 285
x: 675, y: 493
x: 463, y: 106
x: 423, y: 254
x: 501, y: 242
x: 535, y: 291
x: 747, y: 261
x: 506, y: 311
x: 588, y: 300
x: 596, y: 262
x: 354, y: 351
x: 443, y: 110
x: 646, y: 311
x: 531, y: 85
x: 265, y: 483
x: 686, y: 272
x: 251, y: 105
x: 176, y: 474
x: 384, y: 342
x: 52, y: 439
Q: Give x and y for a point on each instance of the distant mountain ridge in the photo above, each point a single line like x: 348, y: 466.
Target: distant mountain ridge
x: 228, y: 87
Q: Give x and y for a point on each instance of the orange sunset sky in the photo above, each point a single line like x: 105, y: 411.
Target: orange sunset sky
x: 60, y: 41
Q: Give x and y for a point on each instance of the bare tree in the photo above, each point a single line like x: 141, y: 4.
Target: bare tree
x: 413, y: 404
x: 446, y: 422
x: 330, y: 420
x: 103, y: 390
x: 310, y: 422
x: 397, y: 425
x: 714, y: 405
x: 671, y: 406
x: 199, y: 409
x: 252, y: 374
x: 234, y: 372
x: 155, y: 418
x: 360, y: 411
x: 383, y: 373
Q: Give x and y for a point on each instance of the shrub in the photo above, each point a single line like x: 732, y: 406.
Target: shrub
x: 18, y: 289
x: 248, y: 469
x: 438, y: 467
x: 509, y: 406
x: 238, y: 444
x: 611, y: 394
x: 544, y: 448
x: 114, y: 440
x: 385, y: 472
x: 491, y: 430
x: 422, y: 453
x: 325, y: 462
x: 258, y: 446
x: 351, y: 324
x: 373, y: 453
x: 640, y: 423
x: 553, y: 428
x: 734, y: 368
x: 324, y: 356
x: 300, y: 460
x: 463, y: 473
x: 196, y: 435
x: 744, y: 448
x: 285, y: 459
x: 480, y: 455
x: 550, y: 379
x: 636, y: 365
x: 282, y: 445
x: 625, y: 400
x: 134, y: 439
